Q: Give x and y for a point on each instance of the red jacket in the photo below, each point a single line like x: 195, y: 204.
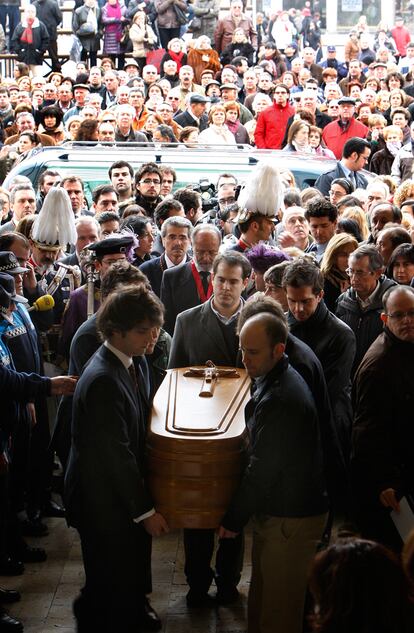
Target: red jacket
x: 335, y: 136
x: 401, y: 37
x: 271, y: 126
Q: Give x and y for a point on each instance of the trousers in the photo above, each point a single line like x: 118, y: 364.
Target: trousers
x: 283, y: 549
x: 199, y: 548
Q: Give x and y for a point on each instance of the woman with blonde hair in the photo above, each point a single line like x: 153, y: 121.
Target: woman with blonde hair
x: 383, y: 159
x: 404, y: 192
x: 334, y: 265
x: 217, y: 132
x: 203, y: 57
x: 357, y: 214
x: 24, y: 83
x: 175, y: 51
x: 383, y: 100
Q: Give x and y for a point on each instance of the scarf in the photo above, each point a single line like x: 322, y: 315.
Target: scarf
x: 220, y: 130
x: 27, y: 35
x: 393, y: 147
x: 302, y: 147
x: 337, y: 277
x: 177, y: 57
x: 6, y: 111
x: 233, y: 127
x: 114, y: 11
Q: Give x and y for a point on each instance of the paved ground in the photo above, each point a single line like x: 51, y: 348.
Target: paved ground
x: 48, y: 589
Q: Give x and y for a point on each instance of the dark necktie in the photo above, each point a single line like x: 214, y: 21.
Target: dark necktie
x: 205, y: 280
x: 132, y: 373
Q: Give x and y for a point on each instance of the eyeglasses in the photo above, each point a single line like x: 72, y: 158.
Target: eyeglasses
x: 227, y: 201
x: 149, y: 181
x: 399, y: 316
x: 358, y: 273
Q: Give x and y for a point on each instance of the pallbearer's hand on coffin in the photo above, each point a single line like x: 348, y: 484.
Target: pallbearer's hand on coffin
x: 223, y: 533
x: 156, y: 525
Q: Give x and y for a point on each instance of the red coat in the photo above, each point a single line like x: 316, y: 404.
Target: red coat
x: 335, y: 137
x: 271, y: 126
x: 401, y: 37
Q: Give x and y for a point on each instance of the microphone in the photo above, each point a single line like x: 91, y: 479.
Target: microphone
x: 42, y: 304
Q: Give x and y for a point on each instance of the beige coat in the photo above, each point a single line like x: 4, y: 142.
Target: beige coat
x: 142, y: 39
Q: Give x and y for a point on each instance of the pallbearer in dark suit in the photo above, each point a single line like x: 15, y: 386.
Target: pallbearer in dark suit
x: 208, y: 332
x: 106, y: 493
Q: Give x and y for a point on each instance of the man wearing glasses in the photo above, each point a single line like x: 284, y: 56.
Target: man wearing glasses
x: 148, y: 187
x: 335, y: 134
x: 272, y: 122
x: 360, y: 306
x: 383, y: 458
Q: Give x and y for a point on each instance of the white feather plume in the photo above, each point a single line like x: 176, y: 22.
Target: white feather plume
x: 264, y: 191
x: 56, y: 221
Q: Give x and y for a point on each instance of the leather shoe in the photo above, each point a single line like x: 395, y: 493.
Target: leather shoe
x: 199, y: 600
x: 31, y: 554
x: 9, y: 624
x: 33, y: 527
x: 53, y: 509
x: 227, y: 595
x: 11, y: 567
x: 150, y: 621
x: 9, y: 595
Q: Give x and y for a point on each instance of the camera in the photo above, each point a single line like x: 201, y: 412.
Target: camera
x: 207, y: 191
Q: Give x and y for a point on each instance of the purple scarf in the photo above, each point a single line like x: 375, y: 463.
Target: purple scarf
x: 114, y: 11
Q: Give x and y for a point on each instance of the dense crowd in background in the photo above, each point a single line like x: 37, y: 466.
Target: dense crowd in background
x: 331, y: 265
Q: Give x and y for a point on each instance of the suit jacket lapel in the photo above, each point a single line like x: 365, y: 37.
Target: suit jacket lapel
x: 122, y: 373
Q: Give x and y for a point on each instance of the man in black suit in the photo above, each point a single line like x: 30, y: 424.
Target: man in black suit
x: 176, y: 236
x: 355, y: 157
x: 208, y: 332
x: 107, y: 497
x: 195, y: 114
x: 184, y: 287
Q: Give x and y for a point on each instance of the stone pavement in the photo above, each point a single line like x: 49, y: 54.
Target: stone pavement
x: 48, y: 589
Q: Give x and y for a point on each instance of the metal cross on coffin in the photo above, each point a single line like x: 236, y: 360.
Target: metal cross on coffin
x: 210, y: 374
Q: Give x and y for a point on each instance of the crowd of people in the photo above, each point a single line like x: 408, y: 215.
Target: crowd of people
x: 311, y: 291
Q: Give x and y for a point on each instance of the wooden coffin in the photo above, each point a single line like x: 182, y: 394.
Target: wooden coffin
x: 195, y: 447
